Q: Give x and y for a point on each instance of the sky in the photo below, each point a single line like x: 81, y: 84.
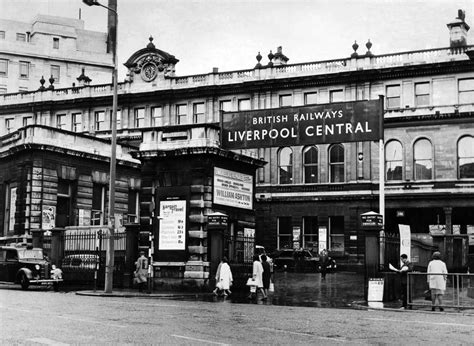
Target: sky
x: 228, y: 34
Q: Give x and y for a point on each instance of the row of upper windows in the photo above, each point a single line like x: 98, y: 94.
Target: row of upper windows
x: 25, y: 37
x: 422, y: 162
x: 24, y: 70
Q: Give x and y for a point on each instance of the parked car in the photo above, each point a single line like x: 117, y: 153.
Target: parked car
x: 296, y: 260
x: 25, y: 265
x: 80, y: 262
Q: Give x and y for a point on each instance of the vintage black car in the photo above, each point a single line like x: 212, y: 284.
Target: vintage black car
x: 25, y: 265
x: 296, y: 260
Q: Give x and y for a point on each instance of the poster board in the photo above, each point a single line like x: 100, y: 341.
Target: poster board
x: 323, y: 238
x: 172, y: 234
x: 375, y: 293
x: 233, y: 189
x: 48, y: 217
x: 405, y: 240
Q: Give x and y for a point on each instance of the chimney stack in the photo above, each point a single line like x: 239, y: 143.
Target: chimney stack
x: 458, y: 29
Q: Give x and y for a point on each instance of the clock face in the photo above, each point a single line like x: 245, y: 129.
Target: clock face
x: 149, y: 72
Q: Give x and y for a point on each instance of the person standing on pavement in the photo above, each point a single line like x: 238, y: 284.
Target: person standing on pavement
x: 437, y: 283
x: 223, y: 278
x: 257, y: 274
x: 266, y: 277
x: 141, y: 272
x: 324, y: 260
x: 406, y: 267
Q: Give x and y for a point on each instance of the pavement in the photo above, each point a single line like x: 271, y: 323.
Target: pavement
x: 338, y: 290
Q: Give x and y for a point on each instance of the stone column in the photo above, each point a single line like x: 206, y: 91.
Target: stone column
x: 57, y: 245
x: 449, y: 241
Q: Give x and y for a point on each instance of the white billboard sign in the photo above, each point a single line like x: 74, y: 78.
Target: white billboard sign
x: 405, y: 240
x: 233, y: 188
x: 172, y: 225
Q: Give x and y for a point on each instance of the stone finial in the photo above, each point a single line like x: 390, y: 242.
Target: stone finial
x: 270, y: 57
x: 259, y: 58
x: 51, y: 81
x: 150, y: 44
x: 368, y: 45
x: 355, y: 46
x: 279, y: 57
x: 42, y: 81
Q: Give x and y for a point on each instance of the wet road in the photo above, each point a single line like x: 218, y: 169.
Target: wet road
x: 40, y: 317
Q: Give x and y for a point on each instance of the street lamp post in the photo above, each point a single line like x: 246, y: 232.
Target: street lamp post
x: 110, y: 253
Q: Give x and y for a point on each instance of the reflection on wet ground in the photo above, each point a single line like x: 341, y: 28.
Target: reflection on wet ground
x: 338, y: 290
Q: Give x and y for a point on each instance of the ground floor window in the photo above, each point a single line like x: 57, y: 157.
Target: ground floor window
x: 310, y: 232
x: 285, y: 233
x: 336, y: 234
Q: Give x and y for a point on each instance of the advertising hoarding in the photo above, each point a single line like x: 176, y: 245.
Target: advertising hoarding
x: 233, y: 189
x: 310, y: 124
x: 172, y: 234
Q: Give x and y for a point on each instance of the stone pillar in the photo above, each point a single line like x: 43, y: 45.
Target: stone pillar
x: 57, y: 246
x: 37, y: 238
x: 449, y: 241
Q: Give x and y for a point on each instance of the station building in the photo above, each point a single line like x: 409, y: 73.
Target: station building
x: 173, y: 162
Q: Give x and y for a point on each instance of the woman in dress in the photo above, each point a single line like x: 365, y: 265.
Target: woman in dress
x: 223, y: 277
x: 437, y: 283
x: 257, y: 274
x: 266, y: 274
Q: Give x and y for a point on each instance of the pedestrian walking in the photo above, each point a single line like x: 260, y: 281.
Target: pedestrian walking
x: 266, y: 277
x: 406, y: 267
x: 223, y: 278
x: 437, y: 283
x: 324, y: 260
x: 257, y: 274
x: 141, y: 272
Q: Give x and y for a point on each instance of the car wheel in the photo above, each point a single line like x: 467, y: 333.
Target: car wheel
x: 24, y: 282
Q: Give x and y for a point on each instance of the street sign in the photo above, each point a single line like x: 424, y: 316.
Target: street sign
x: 371, y: 219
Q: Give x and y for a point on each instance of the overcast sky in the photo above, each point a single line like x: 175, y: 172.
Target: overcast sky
x: 228, y: 34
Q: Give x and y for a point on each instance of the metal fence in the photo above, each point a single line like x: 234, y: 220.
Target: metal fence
x: 459, y: 292
x: 239, y: 250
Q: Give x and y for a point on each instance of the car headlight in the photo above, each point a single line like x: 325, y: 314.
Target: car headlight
x: 37, y: 267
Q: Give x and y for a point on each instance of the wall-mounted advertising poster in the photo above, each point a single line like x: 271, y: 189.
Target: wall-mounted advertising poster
x: 405, y: 240
x: 48, y: 217
x: 233, y: 189
x: 323, y: 238
x: 310, y: 124
x: 11, y: 224
x: 172, y: 225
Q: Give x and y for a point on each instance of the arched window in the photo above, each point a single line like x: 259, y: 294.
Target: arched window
x: 423, y: 159
x: 336, y: 163
x: 285, y: 166
x: 310, y: 165
x: 466, y: 157
x: 393, y: 161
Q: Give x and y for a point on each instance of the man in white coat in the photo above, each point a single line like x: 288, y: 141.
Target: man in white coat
x: 437, y: 283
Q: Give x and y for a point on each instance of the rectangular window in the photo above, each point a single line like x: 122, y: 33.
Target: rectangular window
x: 3, y: 67
x: 139, y: 118
x: 2, y: 35
x: 285, y: 100
x: 198, y: 113
x: 55, y: 72
x: 336, y: 234
x: 336, y: 96
x: 55, y: 42
x: 157, y: 116
x: 466, y: 90
x: 310, y: 232
x: 181, y: 114
x: 3, y: 90
x: 393, y: 96
x: 310, y: 98
x: 61, y: 121
x: 24, y: 69
x: 99, y: 119
x: 64, y: 214
x: 9, y: 124
x: 244, y: 105
x: 20, y: 37
x: 27, y: 121
x: 133, y: 206
x: 285, y: 233
x: 77, y: 122
x: 225, y: 106
x: 98, y: 205
x: 23, y: 89
x: 422, y: 94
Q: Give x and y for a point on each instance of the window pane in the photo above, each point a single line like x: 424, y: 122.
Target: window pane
x: 336, y: 96
x: 423, y: 160
x: 310, y: 98
x: 225, y: 106
x: 393, y: 160
x: 198, y: 113
x: 285, y: 100
x: 285, y: 233
x: 244, y: 105
x: 55, y: 43
x: 393, y: 96
x: 139, y: 117
x: 3, y: 67
x: 55, y: 73
x: 21, y: 37
x: 285, y: 163
x: 310, y: 162
x: 466, y: 157
x: 466, y: 90
x: 310, y: 232
x: 181, y: 114
x: 336, y: 163
x: 24, y: 69
x: 156, y: 116
x: 422, y: 94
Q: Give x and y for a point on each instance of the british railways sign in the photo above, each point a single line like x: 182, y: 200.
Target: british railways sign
x: 309, y: 124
